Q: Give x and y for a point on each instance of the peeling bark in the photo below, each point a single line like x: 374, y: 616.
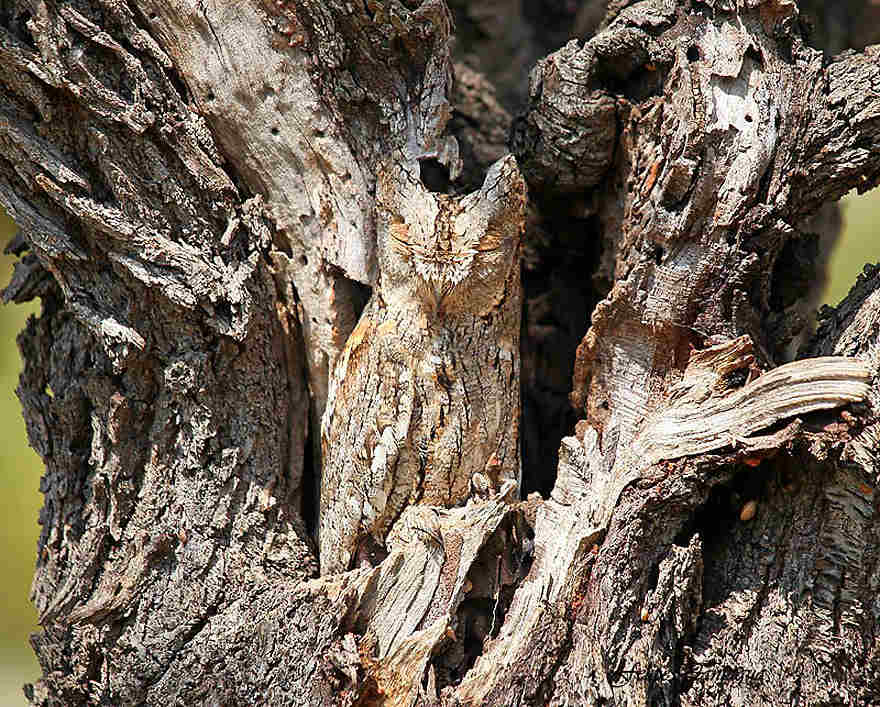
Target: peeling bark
x: 196, y: 190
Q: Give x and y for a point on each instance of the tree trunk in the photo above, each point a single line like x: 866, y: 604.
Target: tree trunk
x: 205, y: 193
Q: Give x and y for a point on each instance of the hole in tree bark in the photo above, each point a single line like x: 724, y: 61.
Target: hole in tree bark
x: 737, y: 378
x: 754, y: 55
x: 627, y: 74
x: 712, y: 520
x: 693, y: 53
x: 719, y: 516
x: 792, y: 289
x: 434, y: 175
x: 223, y: 310
x: 360, y: 295
x: 793, y: 271
x: 17, y: 24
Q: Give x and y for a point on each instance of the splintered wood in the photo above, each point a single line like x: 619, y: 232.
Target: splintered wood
x: 704, y: 414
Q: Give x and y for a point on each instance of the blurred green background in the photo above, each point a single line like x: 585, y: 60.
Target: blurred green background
x: 20, y: 470
x: 20, y: 467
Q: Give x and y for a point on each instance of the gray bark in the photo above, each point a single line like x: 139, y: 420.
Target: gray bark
x: 195, y: 187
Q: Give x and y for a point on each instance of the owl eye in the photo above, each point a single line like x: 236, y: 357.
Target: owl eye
x: 401, y: 247
x: 400, y: 243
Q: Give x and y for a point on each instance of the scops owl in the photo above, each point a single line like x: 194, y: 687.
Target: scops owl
x: 423, y: 404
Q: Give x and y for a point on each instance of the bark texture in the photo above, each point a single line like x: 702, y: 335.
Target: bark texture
x: 203, y: 190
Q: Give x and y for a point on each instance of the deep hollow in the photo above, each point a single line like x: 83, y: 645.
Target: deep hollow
x: 561, y: 255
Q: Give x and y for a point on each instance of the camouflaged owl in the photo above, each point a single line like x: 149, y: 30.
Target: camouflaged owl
x: 423, y: 404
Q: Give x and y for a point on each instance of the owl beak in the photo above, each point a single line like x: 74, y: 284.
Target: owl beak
x: 436, y: 294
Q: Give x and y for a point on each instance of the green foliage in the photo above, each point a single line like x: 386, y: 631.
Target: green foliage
x: 859, y: 244
x: 20, y: 470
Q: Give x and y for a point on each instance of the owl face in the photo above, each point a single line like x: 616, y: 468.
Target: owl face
x: 450, y: 254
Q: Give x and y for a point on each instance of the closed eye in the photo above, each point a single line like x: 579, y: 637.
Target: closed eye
x: 404, y: 247
x: 431, y: 255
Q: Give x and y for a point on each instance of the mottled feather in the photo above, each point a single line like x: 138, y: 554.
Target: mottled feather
x: 426, y: 392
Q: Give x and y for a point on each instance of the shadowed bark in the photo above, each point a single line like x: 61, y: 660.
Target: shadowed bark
x: 195, y: 186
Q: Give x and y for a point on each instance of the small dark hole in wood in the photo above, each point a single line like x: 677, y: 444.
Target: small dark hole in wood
x: 693, y: 53
x: 658, y: 254
x: 748, y: 118
x: 274, y: 130
x: 605, y: 405
x: 223, y: 310
x: 753, y: 54
x: 712, y: 520
x: 737, y: 378
x: 434, y: 175
x: 211, y: 96
x: 303, y: 260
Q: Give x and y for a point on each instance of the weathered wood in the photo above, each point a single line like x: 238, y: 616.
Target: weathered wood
x: 196, y: 187
x: 700, y: 420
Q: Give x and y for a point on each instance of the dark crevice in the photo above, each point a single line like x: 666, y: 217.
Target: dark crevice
x: 18, y: 26
x: 658, y: 254
x: 310, y: 485
x: 434, y: 175
x: 360, y: 295
x: 753, y: 54
x: 179, y: 86
x: 357, y: 294
x: 721, y: 518
x: 505, y: 47
x: 561, y: 254
x: 763, y: 195
x: 795, y: 271
x: 736, y: 379
x: 714, y: 518
x: 638, y: 86
x: 502, y: 563
x: 703, y: 8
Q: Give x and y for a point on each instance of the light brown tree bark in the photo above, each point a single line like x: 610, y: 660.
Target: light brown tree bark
x: 195, y: 186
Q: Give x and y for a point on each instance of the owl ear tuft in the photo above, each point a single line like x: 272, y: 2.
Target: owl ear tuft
x: 500, y: 204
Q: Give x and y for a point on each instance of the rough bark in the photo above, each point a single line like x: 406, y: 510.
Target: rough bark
x: 197, y: 186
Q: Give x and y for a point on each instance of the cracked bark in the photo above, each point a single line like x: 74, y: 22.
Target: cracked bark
x: 194, y: 185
